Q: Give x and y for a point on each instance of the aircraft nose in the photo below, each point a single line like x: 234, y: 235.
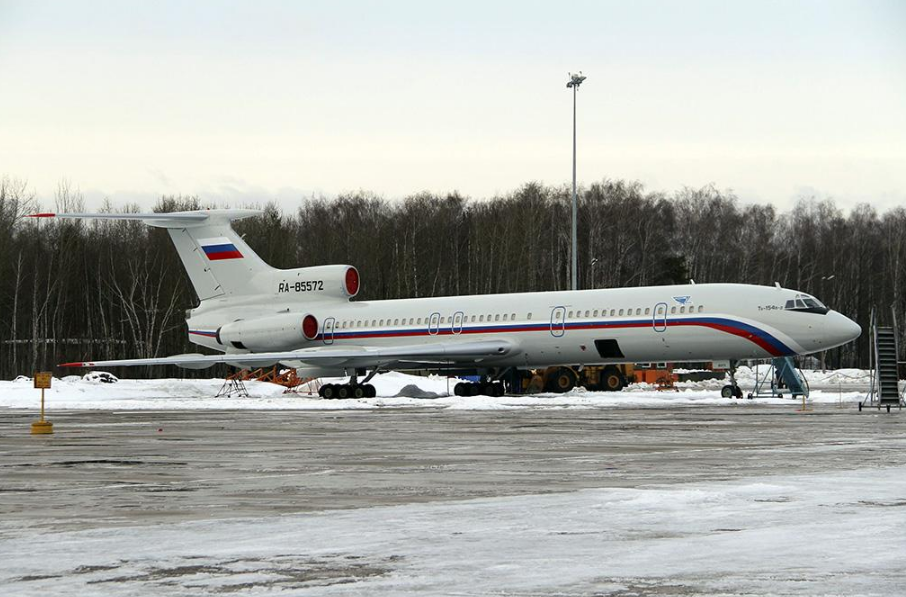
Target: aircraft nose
x: 840, y: 329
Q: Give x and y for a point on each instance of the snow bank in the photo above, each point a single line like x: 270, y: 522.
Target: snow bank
x: 394, y: 390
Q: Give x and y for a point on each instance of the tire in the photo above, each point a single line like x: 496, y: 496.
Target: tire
x: 460, y: 389
x: 370, y: 391
x: 358, y: 392
x: 727, y: 392
x: 485, y: 389
x: 612, y: 380
x: 343, y: 392
x: 564, y: 380
x: 497, y: 390
x: 328, y: 392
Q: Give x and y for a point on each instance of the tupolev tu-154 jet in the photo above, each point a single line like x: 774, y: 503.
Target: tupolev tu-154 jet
x: 257, y: 315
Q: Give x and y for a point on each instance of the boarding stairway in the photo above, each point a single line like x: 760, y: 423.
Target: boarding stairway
x: 884, y: 390
x: 791, y: 377
x: 886, y: 351
x: 781, y: 377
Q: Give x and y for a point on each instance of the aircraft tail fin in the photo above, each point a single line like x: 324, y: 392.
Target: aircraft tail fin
x: 217, y: 260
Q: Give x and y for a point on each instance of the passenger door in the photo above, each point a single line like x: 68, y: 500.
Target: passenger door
x: 434, y: 324
x: 329, y: 324
x: 456, y: 324
x: 659, y: 320
x: 558, y: 322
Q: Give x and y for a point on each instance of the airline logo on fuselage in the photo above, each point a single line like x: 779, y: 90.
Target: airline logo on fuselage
x: 683, y: 299
x: 219, y: 248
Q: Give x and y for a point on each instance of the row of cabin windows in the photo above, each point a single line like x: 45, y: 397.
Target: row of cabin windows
x: 418, y: 320
x: 635, y: 311
x: 491, y: 317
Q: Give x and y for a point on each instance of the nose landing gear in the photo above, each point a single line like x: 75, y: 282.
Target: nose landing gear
x: 732, y: 389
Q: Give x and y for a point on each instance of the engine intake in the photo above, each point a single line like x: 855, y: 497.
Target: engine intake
x: 322, y: 281
x: 286, y: 331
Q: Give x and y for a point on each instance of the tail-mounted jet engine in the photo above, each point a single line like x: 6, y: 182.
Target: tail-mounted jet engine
x: 286, y: 331
x: 321, y: 281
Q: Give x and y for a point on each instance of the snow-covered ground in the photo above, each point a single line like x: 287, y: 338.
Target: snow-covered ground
x: 835, y: 533
x: 394, y: 390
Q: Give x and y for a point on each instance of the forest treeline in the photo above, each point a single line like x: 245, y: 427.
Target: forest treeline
x: 74, y: 290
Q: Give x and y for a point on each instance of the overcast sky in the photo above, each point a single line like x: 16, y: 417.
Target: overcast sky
x: 240, y: 101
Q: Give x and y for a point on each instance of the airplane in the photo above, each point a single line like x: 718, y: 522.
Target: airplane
x: 256, y: 315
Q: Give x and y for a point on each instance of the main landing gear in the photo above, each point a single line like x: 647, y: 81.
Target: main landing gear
x: 347, y: 390
x: 485, y: 388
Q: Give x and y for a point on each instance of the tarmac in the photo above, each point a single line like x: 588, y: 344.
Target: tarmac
x: 109, y: 469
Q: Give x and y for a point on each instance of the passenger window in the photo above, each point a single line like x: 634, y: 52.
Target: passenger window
x: 512, y: 317
x: 673, y: 310
x: 701, y: 308
x: 682, y: 309
x: 612, y: 312
x: 419, y: 321
x: 396, y: 321
x: 638, y: 311
x: 481, y: 318
x: 620, y: 312
x: 570, y: 315
x: 587, y: 313
x: 529, y: 316
x: 473, y: 319
x: 504, y: 316
x: 497, y: 317
x: 443, y: 320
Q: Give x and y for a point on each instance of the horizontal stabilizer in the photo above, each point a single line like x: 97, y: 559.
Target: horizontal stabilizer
x: 176, y: 219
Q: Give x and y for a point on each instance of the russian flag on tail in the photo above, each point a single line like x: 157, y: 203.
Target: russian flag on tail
x: 219, y: 248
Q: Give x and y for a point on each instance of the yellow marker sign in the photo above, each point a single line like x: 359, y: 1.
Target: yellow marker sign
x: 42, y: 382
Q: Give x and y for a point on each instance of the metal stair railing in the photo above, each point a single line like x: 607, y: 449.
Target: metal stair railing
x: 884, y: 361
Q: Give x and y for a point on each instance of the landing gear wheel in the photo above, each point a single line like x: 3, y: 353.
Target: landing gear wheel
x: 461, y: 389
x: 563, y: 381
x: 358, y: 391
x: 612, y: 380
x: 343, y: 392
x: 731, y: 391
x: 370, y: 392
x: 328, y: 392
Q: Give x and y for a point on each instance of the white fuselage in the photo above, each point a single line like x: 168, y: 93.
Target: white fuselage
x: 656, y: 323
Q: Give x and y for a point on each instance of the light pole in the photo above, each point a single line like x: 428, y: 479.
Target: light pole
x: 574, y: 82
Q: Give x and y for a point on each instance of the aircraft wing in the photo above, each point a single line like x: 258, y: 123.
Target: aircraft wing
x: 428, y: 354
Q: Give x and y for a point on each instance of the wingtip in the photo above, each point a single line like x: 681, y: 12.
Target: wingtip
x: 44, y: 215
x: 72, y: 365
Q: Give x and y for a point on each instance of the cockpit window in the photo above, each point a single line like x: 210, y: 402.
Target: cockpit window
x: 805, y: 303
